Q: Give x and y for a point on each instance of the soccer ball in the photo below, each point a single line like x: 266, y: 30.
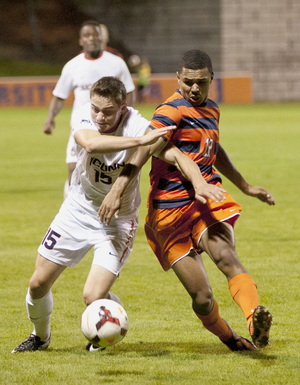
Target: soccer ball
x: 104, y: 323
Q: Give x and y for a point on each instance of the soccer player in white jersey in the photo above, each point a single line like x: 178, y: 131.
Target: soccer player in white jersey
x: 107, y: 133
x: 78, y: 75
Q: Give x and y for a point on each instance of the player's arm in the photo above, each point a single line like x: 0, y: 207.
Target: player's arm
x: 112, y: 201
x: 130, y: 98
x: 92, y: 141
x: 190, y: 170
x: 224, y: 164
x: 54, y: 108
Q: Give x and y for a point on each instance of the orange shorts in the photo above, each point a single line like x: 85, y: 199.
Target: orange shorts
x: 172, y: 233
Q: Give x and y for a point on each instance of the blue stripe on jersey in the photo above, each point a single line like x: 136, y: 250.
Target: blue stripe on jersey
x: 206, y: 123
x: 170, y: 204
x: 207, y: 169
x: 211, y: 103
x: 178, y: 103
x: 164, y: 120
x: 216, y: 148
x: 183, y: 102
x: 188, y: 146
x: 215, y: 178
x: 168, y: 185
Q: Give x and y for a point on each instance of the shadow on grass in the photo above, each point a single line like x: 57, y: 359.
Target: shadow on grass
x: 195, y: 350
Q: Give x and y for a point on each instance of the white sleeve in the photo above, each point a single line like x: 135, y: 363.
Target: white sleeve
x: 64, y: 86
x: 137, y: 125
x: 81, y: 119
x: 126, y: 78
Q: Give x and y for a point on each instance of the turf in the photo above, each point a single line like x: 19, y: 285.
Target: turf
x: 12, y: 67
x: 166, y: 343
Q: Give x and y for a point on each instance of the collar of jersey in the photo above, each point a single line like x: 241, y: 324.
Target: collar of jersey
x: 92, y: 58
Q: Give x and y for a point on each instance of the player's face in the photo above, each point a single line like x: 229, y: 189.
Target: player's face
x: 194, y: 85
x: 106, y: 114
x: 90, y: 40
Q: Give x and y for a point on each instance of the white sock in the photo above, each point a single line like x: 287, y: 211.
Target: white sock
x: 115, y: 298
x: 39, y: 311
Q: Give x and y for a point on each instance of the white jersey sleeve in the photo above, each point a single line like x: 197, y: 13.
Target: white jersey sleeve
x: 65, y: 84
x: 80, y: 73
x: 95, y: 173
x: 125, y: 76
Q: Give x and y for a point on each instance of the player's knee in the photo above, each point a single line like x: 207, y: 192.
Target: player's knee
x: 38, y: 287
x: 203, y: 302
x: 226, y: 259
x: 91, y: 296
x: 230, y: 265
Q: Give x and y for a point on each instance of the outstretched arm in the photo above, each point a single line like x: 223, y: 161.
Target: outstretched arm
x: 112, y: 201
x: 54, y: 108
x: 94, y: 141
x: 190, y: 170
x: 170, y: 154
x: 224, y: 164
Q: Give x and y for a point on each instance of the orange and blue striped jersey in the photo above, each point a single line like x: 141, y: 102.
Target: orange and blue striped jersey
x: 197, y: 136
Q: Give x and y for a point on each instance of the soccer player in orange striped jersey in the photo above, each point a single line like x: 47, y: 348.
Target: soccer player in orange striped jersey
x: 188, y: 209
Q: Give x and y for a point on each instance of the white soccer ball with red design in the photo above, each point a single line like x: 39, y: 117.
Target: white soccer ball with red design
x: 104, y: 323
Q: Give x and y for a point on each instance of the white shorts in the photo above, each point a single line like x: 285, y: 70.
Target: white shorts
x: 74, y: 232
x: 71, y: 156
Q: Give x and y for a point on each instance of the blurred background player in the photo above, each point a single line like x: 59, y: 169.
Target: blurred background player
x: 143, y: 81
x: 78, y: 75
x: 105, y: 39
x: 107, y: 133
x: 188, y: 209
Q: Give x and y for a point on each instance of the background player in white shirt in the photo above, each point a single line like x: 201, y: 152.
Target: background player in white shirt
x: 107, y: 133
x: 78, y: 75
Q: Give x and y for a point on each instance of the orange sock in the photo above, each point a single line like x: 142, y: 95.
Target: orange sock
x: 215, y: 324
x: 244, y: 291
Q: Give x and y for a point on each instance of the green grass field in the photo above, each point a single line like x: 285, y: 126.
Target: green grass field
x: 166, y: 343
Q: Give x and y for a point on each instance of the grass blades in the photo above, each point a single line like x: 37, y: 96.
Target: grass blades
x: 166, y: 343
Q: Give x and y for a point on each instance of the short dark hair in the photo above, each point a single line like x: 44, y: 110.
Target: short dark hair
x: 195, y: 60
x: 111, y: 88
x: 89, y: 22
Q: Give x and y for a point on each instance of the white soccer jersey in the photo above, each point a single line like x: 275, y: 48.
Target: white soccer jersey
x: 95, y: 173
x: 80, y: 73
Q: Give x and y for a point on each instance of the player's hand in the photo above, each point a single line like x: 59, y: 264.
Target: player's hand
x: 153, y: 135
x: 260, y: 193
x: 110, y: 206
x: 49, y: 127
x: 206, y: 190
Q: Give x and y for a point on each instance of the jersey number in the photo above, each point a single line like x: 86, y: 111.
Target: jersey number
x: 208, y: 148
x: 101, y: 177
x: 50, y: 240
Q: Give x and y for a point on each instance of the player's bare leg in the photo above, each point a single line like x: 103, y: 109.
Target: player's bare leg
x: 191, y: 272
x: 45, y: 274
x: 98, y: 284
x: 218, y: 241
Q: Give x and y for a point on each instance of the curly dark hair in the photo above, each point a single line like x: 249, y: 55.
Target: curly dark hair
x: 195, y: 60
